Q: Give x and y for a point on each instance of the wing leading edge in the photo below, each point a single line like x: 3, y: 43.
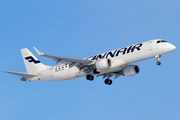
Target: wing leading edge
x: 71, y: 61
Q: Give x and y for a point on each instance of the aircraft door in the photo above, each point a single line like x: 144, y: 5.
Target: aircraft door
x: 51, y: 72
x: 150, y: 45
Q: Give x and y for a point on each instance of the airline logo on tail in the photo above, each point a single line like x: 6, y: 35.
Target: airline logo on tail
x: 31, y: 59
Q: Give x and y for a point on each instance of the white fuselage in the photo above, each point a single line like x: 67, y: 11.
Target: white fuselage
x: 119, y: 57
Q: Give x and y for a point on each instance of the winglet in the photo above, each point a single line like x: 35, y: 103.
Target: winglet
x: 40, y: 53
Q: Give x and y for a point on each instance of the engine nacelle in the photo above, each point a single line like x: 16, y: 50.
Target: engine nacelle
x: 131, y: 70
x: 103, y: 64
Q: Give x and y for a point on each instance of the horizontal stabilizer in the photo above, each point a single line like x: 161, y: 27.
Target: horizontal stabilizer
x: 25, y: 75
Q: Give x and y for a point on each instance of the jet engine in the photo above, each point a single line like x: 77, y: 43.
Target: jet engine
x: 103, y: 64
x: 130, y: 70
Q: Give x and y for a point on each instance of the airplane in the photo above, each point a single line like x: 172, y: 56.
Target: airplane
x: 113, y: 63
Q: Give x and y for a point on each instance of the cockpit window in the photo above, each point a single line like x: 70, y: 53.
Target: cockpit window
x: 160, y: 41
x: 163, y: 41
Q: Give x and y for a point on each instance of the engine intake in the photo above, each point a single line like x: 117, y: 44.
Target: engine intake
x: 130, y: 70
x: 103, y: 64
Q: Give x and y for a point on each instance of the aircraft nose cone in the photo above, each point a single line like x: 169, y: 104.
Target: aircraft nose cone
x: 172, y: 47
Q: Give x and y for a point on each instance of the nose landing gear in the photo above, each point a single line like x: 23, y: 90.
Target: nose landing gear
x: 157, y: 58
x: 158, y: 63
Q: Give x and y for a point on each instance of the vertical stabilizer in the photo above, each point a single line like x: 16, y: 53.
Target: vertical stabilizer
x: 32, y: 64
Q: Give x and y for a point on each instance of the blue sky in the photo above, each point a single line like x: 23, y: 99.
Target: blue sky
x: 83, y: 28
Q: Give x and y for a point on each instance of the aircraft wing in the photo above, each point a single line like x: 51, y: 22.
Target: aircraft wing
x: 71, y: 61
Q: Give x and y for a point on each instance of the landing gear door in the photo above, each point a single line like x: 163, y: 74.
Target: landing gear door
x: 51, y: 72
x: 150, y: 45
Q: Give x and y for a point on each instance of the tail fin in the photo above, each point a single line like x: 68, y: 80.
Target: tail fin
x: 32, y: 64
